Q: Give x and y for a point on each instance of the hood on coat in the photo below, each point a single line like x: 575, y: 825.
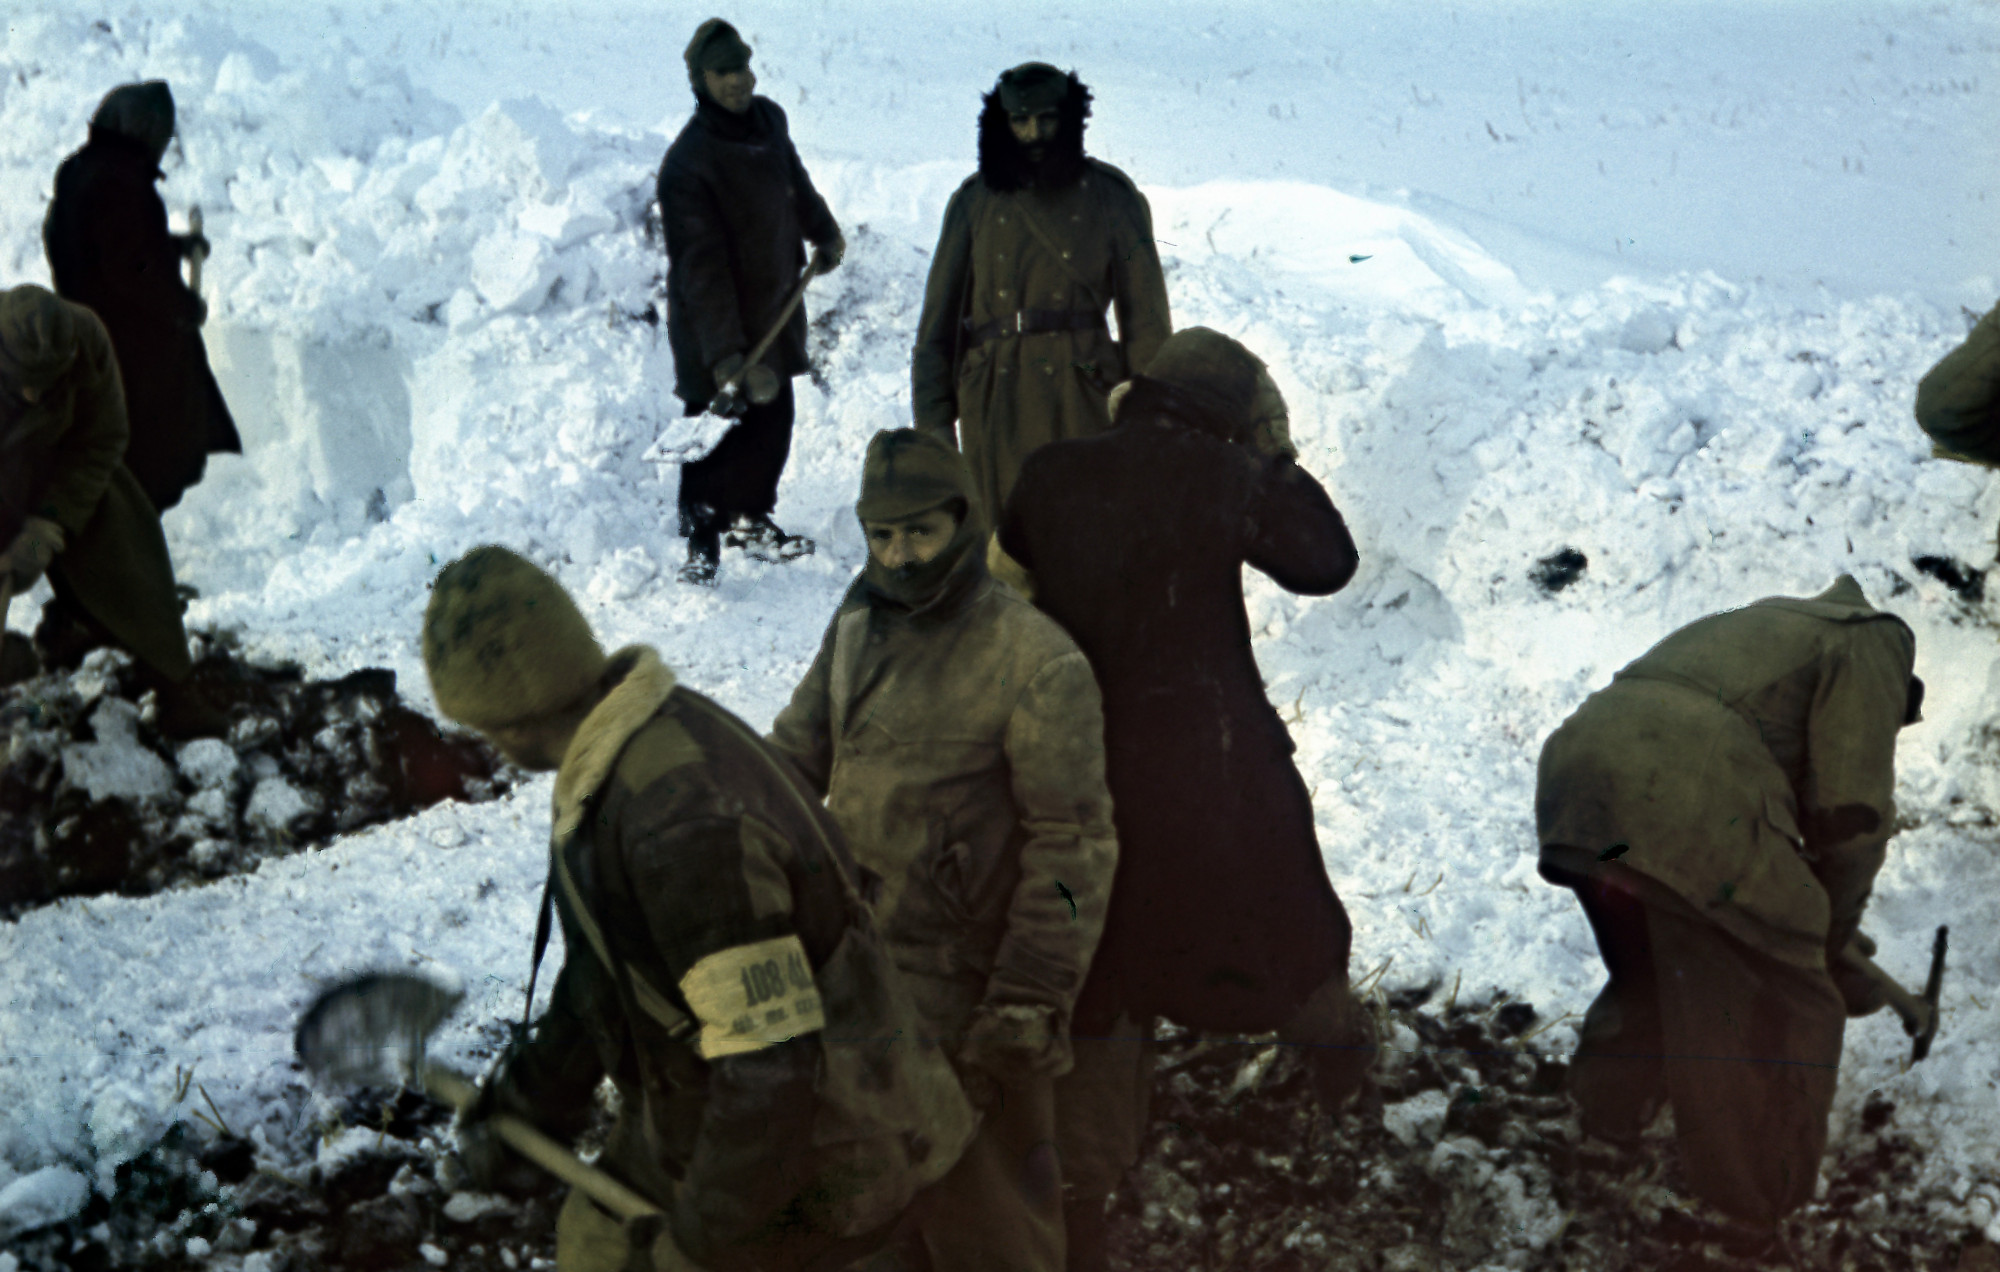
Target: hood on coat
x: 139, y: 113
x: 1003, y: 162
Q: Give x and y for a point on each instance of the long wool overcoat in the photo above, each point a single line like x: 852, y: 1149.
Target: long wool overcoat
x: 1076, y: 240
x: 736, y: 205
x: 1222, y: 916
x: 59, y: 459
x: 1747, y: 763
x: 109, y: 248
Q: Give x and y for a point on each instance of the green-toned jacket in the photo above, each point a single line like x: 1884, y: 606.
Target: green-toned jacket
x: 1747, y: 763
x: 961, y: 748
x: 1958, y: 401
x: 1013, y: 393
x: 686, y: 861
x: 61, y: 457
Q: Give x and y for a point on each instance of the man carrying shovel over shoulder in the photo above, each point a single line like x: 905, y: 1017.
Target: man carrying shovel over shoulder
x: 1721, y: 809
x: 735, y: 203
x: 778, y: 1105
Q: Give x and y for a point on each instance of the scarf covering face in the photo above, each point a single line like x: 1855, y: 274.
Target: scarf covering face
x: 906, y: 474
x: 931, y: 586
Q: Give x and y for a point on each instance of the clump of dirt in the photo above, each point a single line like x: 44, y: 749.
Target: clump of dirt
x: 93, y: 799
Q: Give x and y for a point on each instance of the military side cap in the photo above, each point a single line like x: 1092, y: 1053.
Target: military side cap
x: 716, y: 47
x: 909, y: 472
x: 503, y: 642
x: 1032, y: 86
x: 143, y: 112
x: 1210, y: 368
x: 38, y: 336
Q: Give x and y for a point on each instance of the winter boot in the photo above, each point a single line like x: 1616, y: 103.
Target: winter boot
x: 704, y: 555
x: 762, y: 540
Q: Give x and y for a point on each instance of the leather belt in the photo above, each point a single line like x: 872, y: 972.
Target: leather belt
x: 1028, y: 322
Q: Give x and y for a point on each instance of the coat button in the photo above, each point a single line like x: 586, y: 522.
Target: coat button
x: 1003, y: 220
x: 1003, y: 293
x: 1065, y: 255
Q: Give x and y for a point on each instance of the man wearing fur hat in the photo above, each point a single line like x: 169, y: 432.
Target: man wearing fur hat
x: 1222, y: 916
x: 735, y: 203
x: 108, y: 247
x: 1012, y: 347
x: 70, y: 508
x: 1721, y: 809
x: 957, y: 735
x: 722, y: 966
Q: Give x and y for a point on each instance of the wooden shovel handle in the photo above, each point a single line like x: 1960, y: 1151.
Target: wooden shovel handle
x: 453, y: 1089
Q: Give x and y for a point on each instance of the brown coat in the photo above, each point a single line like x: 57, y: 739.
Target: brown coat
x: 1747, y: 763
x: 1958, y: 400
x: 1076, y: 247
x: 61, y: 458
x: 961, y: 749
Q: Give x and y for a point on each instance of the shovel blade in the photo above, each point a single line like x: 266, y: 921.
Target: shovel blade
x: 372, y: 1030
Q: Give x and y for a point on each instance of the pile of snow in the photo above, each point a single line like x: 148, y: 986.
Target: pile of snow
x: 432, y: 330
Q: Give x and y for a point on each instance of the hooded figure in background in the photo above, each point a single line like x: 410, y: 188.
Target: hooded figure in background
x: 736, y: 204
x: 956, y: 734
x: 108, y: 247
x: 69, y: 507
x: 1721, y: 809
x: 1222, y: 916
x: 1012, y: 347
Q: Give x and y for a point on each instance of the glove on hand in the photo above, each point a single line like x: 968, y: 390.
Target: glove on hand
x: 1014, y: 1042
x: 828, y: 255
x: 489, y: 1165
x: 728, y: 399
x: 28, y: 557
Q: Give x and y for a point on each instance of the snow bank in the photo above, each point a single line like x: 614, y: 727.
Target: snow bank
x: 432, y: 330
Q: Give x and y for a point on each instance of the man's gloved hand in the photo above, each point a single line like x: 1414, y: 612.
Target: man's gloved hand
x: 192, y: 244
x: 827, y: 256
x: 28, y: 557
x: 489, y: 1165
x: 760, y: 384
x: 728, y: 399
x: 1013, y: 1042
x: 1862, y: 994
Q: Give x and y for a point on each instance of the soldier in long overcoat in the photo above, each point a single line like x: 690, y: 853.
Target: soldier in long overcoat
x: 1222, y: 916
x: 109, y: 248
x: 722, y: 966
x: 736, y: 204
x: 1721, y: 810
x: 1012, y: 346
x: 958, y: 737
x: 69, y: 506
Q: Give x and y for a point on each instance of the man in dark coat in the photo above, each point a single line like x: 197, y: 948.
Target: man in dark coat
x: 1222, y: 916
x: 108, y: 247
x: 1721, y: 809
x: 1012, y: 349
x: 736, y: 202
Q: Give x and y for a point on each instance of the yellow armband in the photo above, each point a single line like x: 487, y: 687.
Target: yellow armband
x: 749, y: 997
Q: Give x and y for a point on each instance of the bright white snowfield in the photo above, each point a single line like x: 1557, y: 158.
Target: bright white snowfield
x: 1653, y: 282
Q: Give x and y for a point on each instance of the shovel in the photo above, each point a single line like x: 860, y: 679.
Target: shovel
x: 1919, y: 1012
x: 689, y: 438
x: 371, y: 1031
x: 198, y: 254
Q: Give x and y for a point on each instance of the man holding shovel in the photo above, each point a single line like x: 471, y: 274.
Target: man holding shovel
x: 779, y: 1106
x: 1720, y: 810
x: 735, y: 203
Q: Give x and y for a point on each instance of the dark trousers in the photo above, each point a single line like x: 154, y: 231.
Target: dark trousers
x: 1745, y: 1048
x: 739, y: 478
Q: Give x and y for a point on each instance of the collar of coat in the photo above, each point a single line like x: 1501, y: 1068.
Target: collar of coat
x: 754, y: 125
x: 602, y: 736
x: 1003, y: 162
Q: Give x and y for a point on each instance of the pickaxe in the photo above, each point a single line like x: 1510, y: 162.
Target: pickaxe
x: 1919, y: 1013
x: 371, y: 1031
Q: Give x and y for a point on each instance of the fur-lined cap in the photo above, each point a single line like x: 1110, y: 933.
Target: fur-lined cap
x: 503, y: 642
x: 1031, y: 86
x: 138, y: 112
x: 1003, y: 162
x: 38, y: 337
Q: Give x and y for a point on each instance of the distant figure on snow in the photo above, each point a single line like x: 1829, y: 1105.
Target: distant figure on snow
x: 1222, y: 916
x: 108, y: 248
x: 1721, y: 809
x: 1012, y: 345
x: 736, y: 202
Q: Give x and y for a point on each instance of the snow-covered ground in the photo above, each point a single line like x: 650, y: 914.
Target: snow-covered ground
x: 1652, y: 282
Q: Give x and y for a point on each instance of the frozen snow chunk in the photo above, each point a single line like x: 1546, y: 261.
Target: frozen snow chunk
x: 468, y: 1207
x: 116, y: 765
x: 529, y: 144
x: 211, y: 806
x: 208, y: 763
x: 40, y: 1198
x: 433, y: 1255
x: 514, y: 271
x: 99, y: 674
x: 1648, y: 331
x: 566, y: 224
x: 621, y: 576
x: 1421, y: 1117
x: 1803, y: 382
x: 276, y: 805
x: 124, y: 1122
